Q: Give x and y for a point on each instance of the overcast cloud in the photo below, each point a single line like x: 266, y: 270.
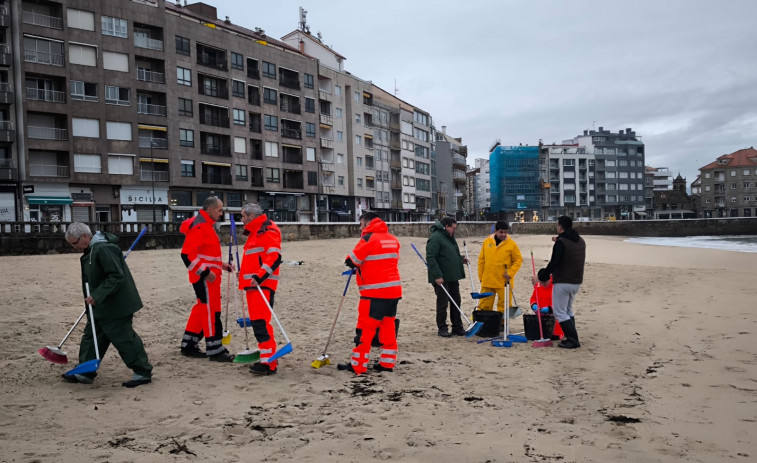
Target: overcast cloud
x: 682, y: 73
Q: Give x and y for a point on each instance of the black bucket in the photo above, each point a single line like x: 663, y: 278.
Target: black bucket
x: 531, y: 326
x: 492, y: 321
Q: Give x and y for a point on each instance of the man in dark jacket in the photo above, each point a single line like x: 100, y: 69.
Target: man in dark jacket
x: 445, y: 268
x: 567, y: 269
x: 114, y: 299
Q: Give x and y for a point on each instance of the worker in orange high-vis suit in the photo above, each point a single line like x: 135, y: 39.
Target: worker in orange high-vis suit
x: 375, y: 259
x: 260, y: 267
x: 541, y: 299
x: 201, y: 254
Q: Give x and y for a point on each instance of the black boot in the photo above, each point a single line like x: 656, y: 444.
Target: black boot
x: 571, y: 335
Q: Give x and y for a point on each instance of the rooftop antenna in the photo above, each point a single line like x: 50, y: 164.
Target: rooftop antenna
x: 304, y: 20
x: 396, y: 90
x: 320, y: 36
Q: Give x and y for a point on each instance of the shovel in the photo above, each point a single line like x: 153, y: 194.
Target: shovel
x: 324, y: 360
x: 89, y: 366
x: 474, y: 294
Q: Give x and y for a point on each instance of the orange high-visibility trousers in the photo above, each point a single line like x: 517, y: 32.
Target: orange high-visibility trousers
x: 375, y: 314
x: 261, y: 323
x: 203, y: 320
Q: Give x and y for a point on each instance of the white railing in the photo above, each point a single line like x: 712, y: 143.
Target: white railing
x: 156, y: 110
x: 5, y: 125
x: 47, y: 133
x: 146, y: 42
x: 149, y: 142
x: 118, y: 102
x: 43, y: 20
x: 45, y: 95
x: 326, y: 119
x: 48, y: 170
x: 151, y: 76
x: 153, y: 175
x: 326, y: 142
x: 41, y: 57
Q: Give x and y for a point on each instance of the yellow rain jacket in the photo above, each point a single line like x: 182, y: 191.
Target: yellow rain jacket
x: 493, y: 259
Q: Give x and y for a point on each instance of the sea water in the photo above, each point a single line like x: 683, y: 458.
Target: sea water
x: 739, y: 243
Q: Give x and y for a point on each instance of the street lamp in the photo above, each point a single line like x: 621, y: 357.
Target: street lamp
x: 152, y: 178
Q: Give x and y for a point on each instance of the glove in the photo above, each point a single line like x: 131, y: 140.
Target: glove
x: 348, y: 262
x: 534, y: 307
x: 545, y: 310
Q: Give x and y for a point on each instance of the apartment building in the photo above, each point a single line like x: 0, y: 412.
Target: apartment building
x: 450, y: 168
x: 143, y: 108
x: 9, y: 167
x: 729, y: 185
x: 514, y: 180
x: 656, y: 179
x: 482, y: 187
x: 568, y: 181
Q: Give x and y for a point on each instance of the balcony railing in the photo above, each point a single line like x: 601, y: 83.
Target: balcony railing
x: 36, y: 19
x: 291, y: 133
x: 327, y: 142
x: 6, y: 125
x: 153, y: 176
x: 218, y: 150
x: 146, y: 42
x: 37, y: 94
x: 219, y: 178
x: 48, y: 170
x: 151, y: 76
x: 327, y: 120
x: 218, y: 121
x: 116, y: 101
x: 41, y: 57
x: 212, y: 62
x: 253, y: 73
x: 47, y: 133
x: 6, y: 163
x: 156, y: 143
x: 457, y: 159
x: 324, y: 95
x: 327, y: 166
x: 153, y: 109
x: 289, y: 82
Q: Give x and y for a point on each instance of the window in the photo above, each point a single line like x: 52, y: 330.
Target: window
x: 733, y: 186
x: 370, y: 183
x: 358, y: 140
x: 310, y: 154
x: 360, y: 183
x: 706, y: 175
x: 338, y: 113
x: 746, y: 172
x: 733, y: 173
x: 116, y: 27
x: 118, y: 130
x: 359, y: 161
x: 85, y: 127
x: 746, y: 185
x: 239, y: 118
x: 241, y: 172
x: 184, y: 76
x: 187, y: 168
x: 357, y: 118
x: 312, y: 178
x: 309, y: 129
x: 89, y: 163
x: 271, y: 122
x: 83, y: 91
x: 309, y: 81
x: 271, y: 149
x: 237, y: 88
x: 271, y: 175
x: 337, y: 90
x: 256, y: 149
x: 708, y: 200
x: 253, y: 95
x: 610, y: 163
x: 115, y: 61
x: 707, y: 188
x: 182, y: 48
x: 269, y: 95
x: 117, y: 95
x: 339, y: 136
x: 356, y: 97
x: 309, y: 105
x: 240, y: 145
x: 80, y: 19
x: 186, y: 137
x: 340, y: 159
x: 747, y: 199
x: 733, y: 199
x: 340, y: 180
x: 237, y: 61
x: 120, y: 165
x: 185, y: 107
x: 84, y: 55
x: 269, y: 70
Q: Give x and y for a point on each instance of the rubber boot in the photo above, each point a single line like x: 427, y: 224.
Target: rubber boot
x: 571, y: 335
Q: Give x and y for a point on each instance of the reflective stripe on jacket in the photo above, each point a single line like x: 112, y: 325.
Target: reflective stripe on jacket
x: 262, y: 254
x: 376, y: 257
x: 202, y: 248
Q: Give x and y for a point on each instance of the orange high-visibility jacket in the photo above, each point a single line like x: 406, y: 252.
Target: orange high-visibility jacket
x: 376, y: 257
x: 543, y: 294
x: 202, y: 248
x: 262, y: 254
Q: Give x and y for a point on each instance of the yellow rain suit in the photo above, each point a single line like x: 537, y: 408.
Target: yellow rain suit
x: 491, y: 270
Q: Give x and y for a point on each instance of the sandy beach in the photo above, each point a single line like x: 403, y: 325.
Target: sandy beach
x: 667, y: 371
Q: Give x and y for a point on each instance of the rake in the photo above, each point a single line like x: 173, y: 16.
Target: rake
x: 55, y: 354
x: 541, y: 342
x: 324, y: 360
x: 474, y: 294
x: 89, y: 366
x: 288, y: 346
x: 473, y: 327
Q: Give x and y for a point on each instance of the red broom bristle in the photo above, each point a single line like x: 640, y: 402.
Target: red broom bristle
x: 53, y: 357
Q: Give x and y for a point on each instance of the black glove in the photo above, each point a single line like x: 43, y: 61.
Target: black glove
x: 348, y: 262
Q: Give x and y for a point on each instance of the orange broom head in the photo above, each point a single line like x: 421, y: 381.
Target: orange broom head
x: 54, y: 355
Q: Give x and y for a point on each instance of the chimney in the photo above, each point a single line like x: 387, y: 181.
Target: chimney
x: 628, y: 129
x: 586, y: 132
x: 302, y: 46
x: 227, y: 20
x: 601, y: 129
x: 444, y: 129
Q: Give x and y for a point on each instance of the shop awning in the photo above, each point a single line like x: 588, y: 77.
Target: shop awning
x: 159, y: 161
x: 151, y: 127
x: 641, y: 214
x: 220, y: 164
x: 49, y: 199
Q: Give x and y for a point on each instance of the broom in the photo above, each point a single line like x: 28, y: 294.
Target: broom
x: 226, y: 339
x: 55, y: 354
x: 89, y: 366
x: 540, y: 342
x: 473, y: 327
x: 288, y: 346
x: 505, y: 341
x: 474, y: 294
x: 324, y: 359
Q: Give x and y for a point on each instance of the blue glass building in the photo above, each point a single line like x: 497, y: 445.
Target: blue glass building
x: 514, y: 178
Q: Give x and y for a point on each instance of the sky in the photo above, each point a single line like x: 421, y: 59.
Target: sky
x: 681, y: 73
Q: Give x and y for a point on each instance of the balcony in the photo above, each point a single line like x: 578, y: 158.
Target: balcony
x: 153, y: 176
x: 5, y: 55
x: 327, y: 166
x: 214, y: 120
x: 221, y: 178
x: 153, y: 142
x: 327, y: 120
x: 211, y: 57
x: 327, y: 142
x: 458, y: 160
x: 253, y: 73
x: 291, y: 133
x: 217, y: 150
x: 143, y: 41
x: 48, y: 170
x: 324, y: 95
x: 48, y: 133
x: 4, y: 16
x: 53, y: 96
x: 42, y: 20
x: 8, y: 169
x: 151, y: 109
x: 41, y: 57
x: 151, y: 76
x: 7, y: 133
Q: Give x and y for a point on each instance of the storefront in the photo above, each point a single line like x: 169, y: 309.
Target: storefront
x: 7, y: 202
x: 47, y: 203
x: 139, y: 205
x: 83, y: 204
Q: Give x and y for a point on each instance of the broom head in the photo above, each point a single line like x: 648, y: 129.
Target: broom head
x: 321, y: 361
x: 54, y: 355
x: 247, y: 356
x: 473, y: 329
x: 502, y: 343
x: 542, y: 343
x: 226, y: 339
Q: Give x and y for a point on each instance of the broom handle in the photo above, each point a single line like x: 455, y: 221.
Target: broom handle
x: 144, y: 230
x: 536, y: 291
x: 92, y: 322
x: 268, y: 304
x: 338, y: 309
x: 470, y: 274
x: 228, y: 286
x: 244, y: 315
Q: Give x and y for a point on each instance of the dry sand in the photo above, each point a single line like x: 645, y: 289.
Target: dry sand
x: 666, y: 372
